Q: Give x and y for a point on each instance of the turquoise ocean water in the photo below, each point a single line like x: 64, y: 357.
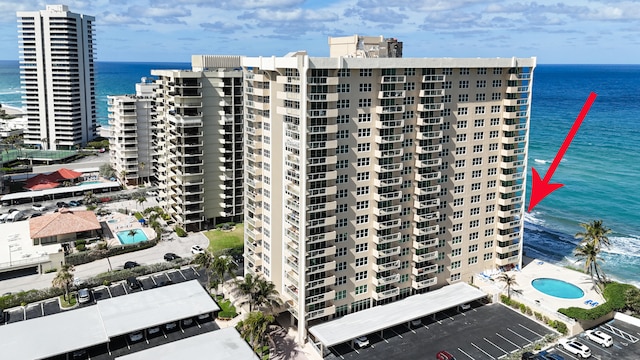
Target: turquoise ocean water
x: 601, y: 169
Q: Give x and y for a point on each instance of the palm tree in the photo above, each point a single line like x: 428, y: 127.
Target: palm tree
x: 266, y: 295
x: 44, y: 142
x: 509, y: 283
x: 223, y: 265
x: 595, y: 232
x: 205, y: 260
x: 247, y: 287
x: 142, y: 165
x: 141, y: 199
x: 64, y: 279
x: 123, y: 175
x: 132, y: 233
x: 255, y: 329
x: 590, y: 253
x: 90, y: 199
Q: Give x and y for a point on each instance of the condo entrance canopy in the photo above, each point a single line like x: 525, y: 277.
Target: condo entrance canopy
x: 399, y: 312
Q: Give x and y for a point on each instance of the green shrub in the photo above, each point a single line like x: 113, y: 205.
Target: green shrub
x: 89, y: 256
x: 529, y: 311
x: 561, y: 327
x: 180, y: 231
x: 91, y: 207
x: 80, y: 242
x: 227, y: 315
x: 49, y: 271
x: 537, y: 315
x: 614, y: 294
x: 523, y: 308
x: 81, y: 247
x: 25, y: 297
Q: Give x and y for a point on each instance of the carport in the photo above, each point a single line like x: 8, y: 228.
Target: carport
x: 223, y: 344
x: 141, y: 310
x: 53, y: 335
x: 382, y: 317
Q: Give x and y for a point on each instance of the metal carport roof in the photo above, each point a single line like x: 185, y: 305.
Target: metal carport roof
x: 52, y: 335
x: 382, y: 317
x: 223, y: 344
x: 144, y: 309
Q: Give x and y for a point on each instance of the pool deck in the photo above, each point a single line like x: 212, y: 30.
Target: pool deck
x: 124, y: 223
x: 540, y: 269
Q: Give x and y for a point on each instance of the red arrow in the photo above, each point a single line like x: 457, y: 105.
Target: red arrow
x: 541, y: 188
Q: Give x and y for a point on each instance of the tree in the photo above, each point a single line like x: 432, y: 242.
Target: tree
x: 223, y: 265
x: 90, y: 198
x: 44, y: 142
x: 123, y: 175
x: 509, y: 282
x: 102, y: 251
x: 205, y: 260
x: 595, y: 232
x: 255, y: 329
x: 142, y: 165
x: 132, y: 233
x: 106, y: 171
x: 141, y: 199
x: 247, y: 287
x: 589, y: 252
x: 64, y: 279
x: 266, y: 295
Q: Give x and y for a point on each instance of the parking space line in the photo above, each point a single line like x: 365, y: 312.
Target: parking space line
x: 127, y: 341
x: 522, y: 326
x: 42, y: 307
x: 490, y: 342
x: 184, y: 277
x: 109, y: 291
x: 515, y: 333
x: 566, y: 353
x: 469, y: 356
x: 509, y: 341
x: 396, y: 333
x: 484, y: 352
x: 125, y: 289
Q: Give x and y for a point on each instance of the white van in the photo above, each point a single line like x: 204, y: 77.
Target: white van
x: 16, y: 215
x: 3, y: 218
x: 598, y: 337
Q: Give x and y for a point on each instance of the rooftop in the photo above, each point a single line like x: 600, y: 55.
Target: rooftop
x: 63, y: 222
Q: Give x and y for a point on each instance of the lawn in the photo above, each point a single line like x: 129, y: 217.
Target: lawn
x: 220, y: 240
x: 227, y: 310
x: 67, y: 304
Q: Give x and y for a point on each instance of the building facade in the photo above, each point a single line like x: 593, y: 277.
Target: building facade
x: 57, y: 75
x: 198, y: 142
x: 130, y: 144
x: 369, y: 179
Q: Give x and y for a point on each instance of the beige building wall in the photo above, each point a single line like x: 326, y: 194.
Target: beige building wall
x: 391, y: 177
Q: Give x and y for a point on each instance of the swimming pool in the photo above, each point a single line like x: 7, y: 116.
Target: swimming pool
x: 90, y: 182
x: 125, y: 238
x: 557, y: 288
x: 112, y: 221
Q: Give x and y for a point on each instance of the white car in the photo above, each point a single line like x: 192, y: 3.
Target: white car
x: 576, y: 348
x: 38, y: 207
x: 170, y: 326
x: 362, y: 341
x: 598, y: 337
x: 416, y: 323
x: 197, y: 249
x: 153, y: 330
x: 136, y: 336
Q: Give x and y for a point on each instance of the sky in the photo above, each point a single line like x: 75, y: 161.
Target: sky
x: 575, y: 32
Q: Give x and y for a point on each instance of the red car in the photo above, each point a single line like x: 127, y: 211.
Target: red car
x: 444, y: 355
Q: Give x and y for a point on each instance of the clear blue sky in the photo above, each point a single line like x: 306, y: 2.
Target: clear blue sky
x: 584, y: 31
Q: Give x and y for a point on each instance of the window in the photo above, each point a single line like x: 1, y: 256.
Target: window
x: 495, y: 121
x: 364, y: 190
x: 463, y: 97
x: 447, y: 71
x: 461, y: 124
x: 491, y: 184
x: 361, y: 275
x: 364, y: 132
x: 407, y: 129
x: 496, y: 83
x: 456, y: 252
x: 497, y: 71
x: 474, y: 223
x: 341, y: 266
x: 463, y: 84
x: 366, y: 72
x: 493, y: 147
x: 446, y: 85
x: 481, y: 97
x: 461, y: 137
x: 455, y: 277
x: 473, y: 260
x: 362, y: 261
x: 478, y: 135
x: 362, y: 219
x: 341, y: 280
x: 488, y: 244
x: 342, y: 164
x: 341, y: 251
x: 364, y: 147
x: 477, y: 148
x: 461, y: 150
x: 456, y: 239
x: 474, y: 236
x: 361, y: 289
x: 481, y: 83
x: 410, y: 100
x: 366, y: 87
x: 495, y: 109
x: 496, y: 96
x: 410, y: 71
x: 463, y: 111
x: 492, y: 159
x: 478, y: 123
x: 341, y: 208
x: 475, y: 199
x: 364, y: 118
x: 361, y: 205
x: 457, y: 214
x: 344, y: 72
x: 488, y: 232
x: 362, y: 247
x: 363, y: 176
x: 491, y: 196
x: 458, y: 189
x: 493, y: 134
x: 482, y: 71
x: 342, y: 193
x: 464, y: 71
x: 475, y: 186
x: 459, y: 164
x: 343, y: 119
x: 488, y: 256
x: 364, y: 103
x: 479, y: 110
x: 446, y: 98
x: 476, y: 174
x: 408, y: 114
x: 458, y: 202
x: 341, y: 294
x: 360, y: 234
x: 343, y: 88
x: 490, y: 220
x: 490, y: 208
x: 409, y: 86
x: 343, y: 149
x: 456, y: 227
x: 476, y: 161
x: 458, y: 176
x: 364, y: 161
x: 473, y: 248
x: 455, y: 264
x: 341, y: 179
x: 343, y: 104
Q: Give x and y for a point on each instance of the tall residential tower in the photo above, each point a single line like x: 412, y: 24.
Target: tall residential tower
x: 58, y: 77
x: 370, y: 178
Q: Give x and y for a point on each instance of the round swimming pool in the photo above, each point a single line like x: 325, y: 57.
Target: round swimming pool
x: 557, y: 288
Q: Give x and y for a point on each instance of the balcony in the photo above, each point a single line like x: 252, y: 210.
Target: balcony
x: 393, y: 79
x: 322, y: 97
x: 512, y: 152
x: 510, y: 260
x: 384, y: 239
x: 516, y: 200
x: 424, y: 283
x: 509, y: 189
x: 390, y: 196
x: 329, y: 251
x: 387, y: 252
x: 425, y: 257
x: 395, y: 94
x: 328, y: 296
x: 507, y: 249
x: 426, y: 217
x: 389, y: 124
x: 431, y: 135
x: 429, y: 121
x: 428, y: 163
x: 386, y: 294
x: 391, y: 265
x: 427, y: 190
x: 387, y: 182
x: 521, y: 76
x: 429, y: 269
x: 514, y: 127
x: 511, y: 177
x: 328, y: 266
x: 425, y: 204
x: 316, y: 314
x: 387, y: 225
x: 511, y: 164
x: 430, y: 107
x: 388, y: 153
x: 431, y: 149
x: 389, y: 210
x: 433, y: 175
x: 517, y: 89
x: 322, y: 80
x: 392, y: 109
x: 392, y: 279
x: 387, y: 168
x: 389, y: 139
x: 426, y: 231
x: 508, y: 225
x: 418, y: 245
x: 323, y: 113
x: 508, y: 237
x: 431, y: 93
x: 432, y: 78
x: 328, y: 281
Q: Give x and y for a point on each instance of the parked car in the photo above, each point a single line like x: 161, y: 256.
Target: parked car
x: 444, y: 355
x: 1, y: 315
x: 62, y: 204
x: 576, y: 348
x: 130, y: 264
x: 74, y: 203
x: 38, y: 207
x: 78, y: 281
x: 35, y: 215
x: 465, y: 306
x: 187, y: 322
x: 598, y: 337
x: 204, y: 316
x: 84, y: 296
x: 79, y: 354
x: 152, y: 193
x: 171, y: 257
x: 170, y: 326
x: 416, y: 323
x: 361, y: 342
x: 153, y: 330
x: 133, y: 283
x: 136, y: 336
x: 197, y: 249
x: 549, y: 356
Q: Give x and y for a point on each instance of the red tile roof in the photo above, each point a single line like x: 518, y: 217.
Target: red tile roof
x: 52, y: 180
x: 63, y: 222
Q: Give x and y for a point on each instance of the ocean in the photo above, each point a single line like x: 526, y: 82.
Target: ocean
x: 600, y: 171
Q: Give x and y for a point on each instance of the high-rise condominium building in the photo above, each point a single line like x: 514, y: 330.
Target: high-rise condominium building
x: 130, y: 144
x: 369, y: 179
x: 58, y: 77
x: 198, y: 142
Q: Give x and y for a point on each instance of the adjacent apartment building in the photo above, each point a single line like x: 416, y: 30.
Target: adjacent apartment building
x: 57, y: 75
x: 371, y: 177
x: 131, y: 122
x: 198, y: 142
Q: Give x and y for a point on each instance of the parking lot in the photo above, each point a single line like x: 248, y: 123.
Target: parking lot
x: 482, y: 332
x: 626, y: 344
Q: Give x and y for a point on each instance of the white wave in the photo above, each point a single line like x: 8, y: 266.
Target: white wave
x: 540, y: 161
x: 530, y: 217
x: 627, y: 246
